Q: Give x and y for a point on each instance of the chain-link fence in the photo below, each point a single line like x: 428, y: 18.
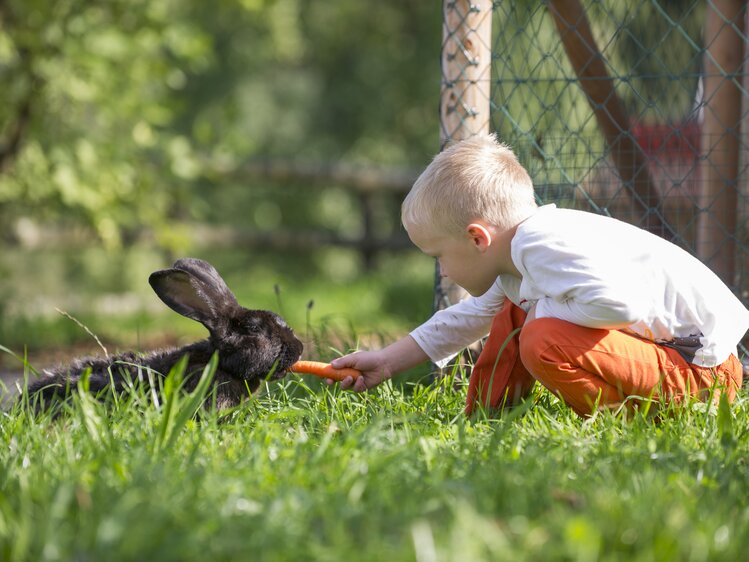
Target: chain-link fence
x: 631, y: 108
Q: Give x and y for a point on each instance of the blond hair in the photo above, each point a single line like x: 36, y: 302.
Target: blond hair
x: 477, y: 178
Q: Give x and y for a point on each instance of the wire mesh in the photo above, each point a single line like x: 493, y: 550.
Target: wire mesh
x: 612, y: 106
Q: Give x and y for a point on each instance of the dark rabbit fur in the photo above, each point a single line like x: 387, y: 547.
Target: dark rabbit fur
x: 251, y: 344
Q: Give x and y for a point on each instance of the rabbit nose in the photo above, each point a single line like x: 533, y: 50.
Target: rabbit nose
x: 293, y: 342
x: 297, y: 344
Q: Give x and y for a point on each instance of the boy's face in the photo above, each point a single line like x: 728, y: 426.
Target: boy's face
x: 458, y: 258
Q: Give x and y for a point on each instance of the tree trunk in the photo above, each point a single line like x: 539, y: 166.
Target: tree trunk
x: 588, y: 63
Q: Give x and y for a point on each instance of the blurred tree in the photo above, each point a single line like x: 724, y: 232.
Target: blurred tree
x: 87, y: 116
x: 113, y: 112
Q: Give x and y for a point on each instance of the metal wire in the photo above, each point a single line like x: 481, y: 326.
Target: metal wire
x: 654, y: 55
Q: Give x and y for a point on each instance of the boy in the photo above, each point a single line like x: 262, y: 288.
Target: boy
x: 597, y: 310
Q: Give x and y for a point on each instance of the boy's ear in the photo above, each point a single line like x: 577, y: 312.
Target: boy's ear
x: 480, y: 236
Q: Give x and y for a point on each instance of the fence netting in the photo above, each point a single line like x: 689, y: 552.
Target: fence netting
x: 632, y: 108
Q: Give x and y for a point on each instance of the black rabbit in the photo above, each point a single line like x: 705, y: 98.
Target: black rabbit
x: 251, y: 344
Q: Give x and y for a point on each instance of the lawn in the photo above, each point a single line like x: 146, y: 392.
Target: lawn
x: 307, y: 472
x: 303, y: 471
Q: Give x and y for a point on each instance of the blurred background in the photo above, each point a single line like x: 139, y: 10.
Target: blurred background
x: 273, y: 138
x: 276, y: 139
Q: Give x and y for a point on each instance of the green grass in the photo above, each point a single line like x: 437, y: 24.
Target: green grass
x: 304, y: 471
x: 307, y: 472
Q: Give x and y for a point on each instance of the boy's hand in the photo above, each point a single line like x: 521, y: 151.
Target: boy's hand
x: 373, y: 367
x: 378, y: 366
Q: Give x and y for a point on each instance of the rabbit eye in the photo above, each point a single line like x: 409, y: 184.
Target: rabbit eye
x: 252, y: 328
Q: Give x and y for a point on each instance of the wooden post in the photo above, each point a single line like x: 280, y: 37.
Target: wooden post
x: 724, y: 52
x: 588, y: 63
x: 465, y: 92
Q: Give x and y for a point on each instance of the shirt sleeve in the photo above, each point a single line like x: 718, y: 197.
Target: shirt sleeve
x: 450, y: 330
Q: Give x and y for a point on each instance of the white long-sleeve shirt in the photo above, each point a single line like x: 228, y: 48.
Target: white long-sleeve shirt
x: 600, y: 272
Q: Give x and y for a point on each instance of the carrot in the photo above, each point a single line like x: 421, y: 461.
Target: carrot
x: 324, y: 370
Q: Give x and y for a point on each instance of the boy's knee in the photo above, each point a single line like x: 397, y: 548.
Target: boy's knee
x: 535, y: 338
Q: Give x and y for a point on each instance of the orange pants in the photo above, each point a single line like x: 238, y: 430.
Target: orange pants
x: 586, y: 367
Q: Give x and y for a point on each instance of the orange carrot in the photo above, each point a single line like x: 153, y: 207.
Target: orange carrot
x: 324, y: 370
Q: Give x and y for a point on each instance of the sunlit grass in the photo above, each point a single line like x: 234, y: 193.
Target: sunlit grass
x: 303, y: 471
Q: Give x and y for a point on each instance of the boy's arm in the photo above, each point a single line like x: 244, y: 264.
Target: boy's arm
x: 439, y: 338
x: 451, y: 330
x: 378, y: 366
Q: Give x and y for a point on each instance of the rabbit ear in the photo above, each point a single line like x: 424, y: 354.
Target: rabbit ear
x: 194, y: 289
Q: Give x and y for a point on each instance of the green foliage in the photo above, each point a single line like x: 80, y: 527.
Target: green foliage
x: 124, y: 109
x: 97, y: 84
x: 306, y: 472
